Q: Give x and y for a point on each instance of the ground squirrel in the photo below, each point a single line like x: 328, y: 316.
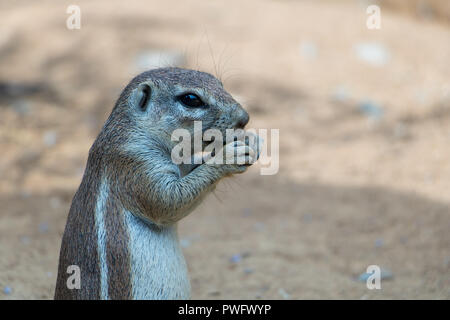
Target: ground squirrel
x: 121, y: 228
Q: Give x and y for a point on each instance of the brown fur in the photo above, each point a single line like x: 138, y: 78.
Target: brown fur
x: 119, y: 283
x: 79, y: 235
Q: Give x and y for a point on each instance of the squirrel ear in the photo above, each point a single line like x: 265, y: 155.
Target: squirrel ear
x: 141, y: 96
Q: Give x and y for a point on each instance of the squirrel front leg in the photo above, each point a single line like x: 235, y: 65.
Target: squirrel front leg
x: 161, y: 195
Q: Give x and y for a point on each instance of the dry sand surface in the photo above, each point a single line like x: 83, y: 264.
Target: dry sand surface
x: 364, y: 119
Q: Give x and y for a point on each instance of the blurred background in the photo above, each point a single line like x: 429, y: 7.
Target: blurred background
x: 364, y: 119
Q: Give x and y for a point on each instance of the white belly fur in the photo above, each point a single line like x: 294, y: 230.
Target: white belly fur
x: 158, y: 267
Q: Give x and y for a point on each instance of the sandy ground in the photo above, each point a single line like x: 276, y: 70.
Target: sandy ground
x: 364, y: 141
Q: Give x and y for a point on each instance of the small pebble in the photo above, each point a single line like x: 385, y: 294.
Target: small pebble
x: 248, y: 270
x: 185, y: 243
x: 307, y: 218
x: 189, y: 240
x: 25, y: 240
x: 259, y: 294
x: 259, y: 226
x: 379, y: 243
x: 22, y: 107
x: 372, y: 53
x: 247, y: 212
x: 55, y: 202
x: 25, y: 194
x: 236, y: 258
x: 50, y: 138
x: 341, y: 94
x: 371, y: 109
x: 308, y: 50
x: 43, y: 227
x: 214, y: 293
x: 283, y: 293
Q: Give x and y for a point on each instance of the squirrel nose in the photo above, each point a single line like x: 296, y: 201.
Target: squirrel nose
x: 243, y: 119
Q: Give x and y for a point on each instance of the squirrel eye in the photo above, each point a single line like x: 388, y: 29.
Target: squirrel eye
x: 191, y: 100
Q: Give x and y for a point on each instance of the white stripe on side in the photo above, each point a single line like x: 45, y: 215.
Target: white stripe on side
x: 101, y: 237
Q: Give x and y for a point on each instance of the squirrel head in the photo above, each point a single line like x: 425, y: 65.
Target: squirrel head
x: 159, y: 101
